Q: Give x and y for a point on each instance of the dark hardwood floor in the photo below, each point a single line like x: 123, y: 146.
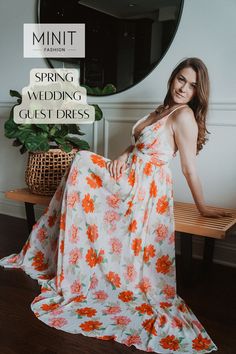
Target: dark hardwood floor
x: 212, y: 298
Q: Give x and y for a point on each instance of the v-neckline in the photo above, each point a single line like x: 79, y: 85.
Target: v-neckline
x: 150, y: 125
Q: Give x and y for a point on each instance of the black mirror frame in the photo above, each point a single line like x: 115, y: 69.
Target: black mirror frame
x: 151, y: 70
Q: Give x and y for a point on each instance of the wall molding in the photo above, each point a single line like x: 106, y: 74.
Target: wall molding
x: 218, y: 105
x: 218, y: 120
x: 4, y: 104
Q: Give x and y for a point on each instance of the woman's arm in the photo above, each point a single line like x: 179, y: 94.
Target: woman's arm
x: 186, y: 132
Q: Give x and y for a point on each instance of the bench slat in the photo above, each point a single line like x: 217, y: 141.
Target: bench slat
x: 199, y: 230
x: 214, y: 222
x: 188, y: 206
x: 206, y: 221
x: 188, y: 219
x: 24, y: 195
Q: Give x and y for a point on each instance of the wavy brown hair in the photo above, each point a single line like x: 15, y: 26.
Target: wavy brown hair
x: 199, y: 102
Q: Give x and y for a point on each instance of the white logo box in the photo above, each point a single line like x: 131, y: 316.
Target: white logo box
x: 65, y: 40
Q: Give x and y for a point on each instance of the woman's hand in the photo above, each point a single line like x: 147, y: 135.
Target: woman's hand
x: 213, y: 213
x: 116, y: 167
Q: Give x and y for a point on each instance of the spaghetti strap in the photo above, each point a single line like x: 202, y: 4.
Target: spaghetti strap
x: 176, y: 109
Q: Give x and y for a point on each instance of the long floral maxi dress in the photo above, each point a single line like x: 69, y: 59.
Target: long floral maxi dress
x: 103, y: 253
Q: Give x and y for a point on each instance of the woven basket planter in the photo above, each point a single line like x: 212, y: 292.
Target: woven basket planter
x: 45, y: 170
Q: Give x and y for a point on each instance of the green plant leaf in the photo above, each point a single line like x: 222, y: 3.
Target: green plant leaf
x: 14, y: 93
x: 74, y: 129
x: 81, y: 133
x: 16, y: 142
x: 23, y: 135
x: 53, y: 131
x: 98, y: 91
x: 23, y: 149
x: 64, y: 130
x: 88, y: 89
x: 66, y: 147
x: 60, y: 140
x: 43, y: 127
x: 108, y: 89
x: 92, y: 90
x: 25, y: 127
x: 11, y: 115
x: 82, y: 144
x: 44, y: 135
x: 36, y: 143
x: 98, y: 112
x: 10, y: 129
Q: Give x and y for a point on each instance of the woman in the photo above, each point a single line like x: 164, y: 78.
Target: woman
x: 186, y: 128
x: 104, y: 250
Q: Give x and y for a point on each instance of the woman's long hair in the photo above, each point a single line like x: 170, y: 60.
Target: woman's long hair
x: 199, y: 102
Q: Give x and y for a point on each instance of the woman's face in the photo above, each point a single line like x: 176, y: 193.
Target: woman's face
x: 183, y: 87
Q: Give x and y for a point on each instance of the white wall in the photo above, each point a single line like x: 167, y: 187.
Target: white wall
x: 207, y: 30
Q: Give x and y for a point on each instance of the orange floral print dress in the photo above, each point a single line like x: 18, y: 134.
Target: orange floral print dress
x: 104, y: 253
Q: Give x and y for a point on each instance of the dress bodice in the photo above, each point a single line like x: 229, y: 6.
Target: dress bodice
x: 152, y: 144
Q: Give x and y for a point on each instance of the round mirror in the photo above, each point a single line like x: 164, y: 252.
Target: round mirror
x: 124, y: 40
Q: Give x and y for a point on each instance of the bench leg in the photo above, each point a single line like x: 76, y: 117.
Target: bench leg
x: 30, y: 216
x: 209, y: 244
x: 186, y: 257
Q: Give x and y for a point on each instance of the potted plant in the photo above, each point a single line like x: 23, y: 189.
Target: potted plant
x: 51, y: 147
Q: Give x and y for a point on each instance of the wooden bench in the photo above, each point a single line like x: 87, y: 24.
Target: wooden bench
x: 188, y: 222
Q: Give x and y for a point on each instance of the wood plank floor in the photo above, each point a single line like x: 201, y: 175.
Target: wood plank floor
x: 212, y: 299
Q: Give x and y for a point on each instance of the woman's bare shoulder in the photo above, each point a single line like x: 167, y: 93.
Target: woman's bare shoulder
x: 184, y: 115
x: 184, y: 122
